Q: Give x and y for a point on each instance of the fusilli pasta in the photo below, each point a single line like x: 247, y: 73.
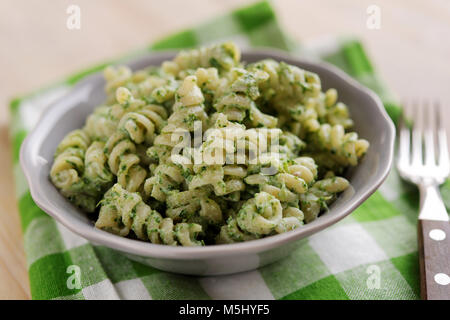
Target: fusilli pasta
x: 206, y: 149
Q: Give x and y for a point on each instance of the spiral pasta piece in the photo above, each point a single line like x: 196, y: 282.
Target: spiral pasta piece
x: 290, y: 145
x: 211, y: 84
x: 122, y: 211
x: 343, y: 148
x: 141, y: 125
x: 193, y: 206
x: 232, y: 233
x: 292, y: 179
x: 307, y: 116
x: 124, y: 162
x: 187, y: 109
x: 261, y: 214
x: 165, y: 92
x: 301, y: 119
x: 151, y: 84
x: 286, y: 82
x: 226, y: 180
x: 320, y: 194
x: 186, y: 233
x: 166, y: 178
x: 292, y: 219
x: 67, y: 172
x: 68, y: 166
x: 102, y: 123
x: 222, y: 56
x: 239, y: 100
x: 226, y: 152
x: 105, y: 120
x: 219, y: 149
x: 97, y: 177
x: 116, y: 77
x: 134, y: 128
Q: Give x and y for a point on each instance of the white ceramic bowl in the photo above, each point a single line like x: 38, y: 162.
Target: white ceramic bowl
x: 70, y: 112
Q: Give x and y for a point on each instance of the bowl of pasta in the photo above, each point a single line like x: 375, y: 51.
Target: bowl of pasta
x: 208, y: 161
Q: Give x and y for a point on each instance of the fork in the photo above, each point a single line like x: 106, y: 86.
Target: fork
x: 417, y: 163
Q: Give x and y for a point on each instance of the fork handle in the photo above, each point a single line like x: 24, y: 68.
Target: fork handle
x: 434, y: 255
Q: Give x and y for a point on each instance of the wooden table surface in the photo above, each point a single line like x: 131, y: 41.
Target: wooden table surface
x: 410, y: 50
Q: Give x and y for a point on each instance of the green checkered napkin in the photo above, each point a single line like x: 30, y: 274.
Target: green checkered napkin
x: 378, y: 241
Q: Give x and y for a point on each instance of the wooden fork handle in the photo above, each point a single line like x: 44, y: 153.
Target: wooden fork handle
x: 434, y: 256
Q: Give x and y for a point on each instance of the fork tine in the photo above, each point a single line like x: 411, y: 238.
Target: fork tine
x: 444, y: 162
x: 404, y: 143
x: 429, y: 128
x: 417, y: 135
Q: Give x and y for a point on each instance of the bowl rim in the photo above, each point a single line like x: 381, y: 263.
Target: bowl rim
x: 147, y: 249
